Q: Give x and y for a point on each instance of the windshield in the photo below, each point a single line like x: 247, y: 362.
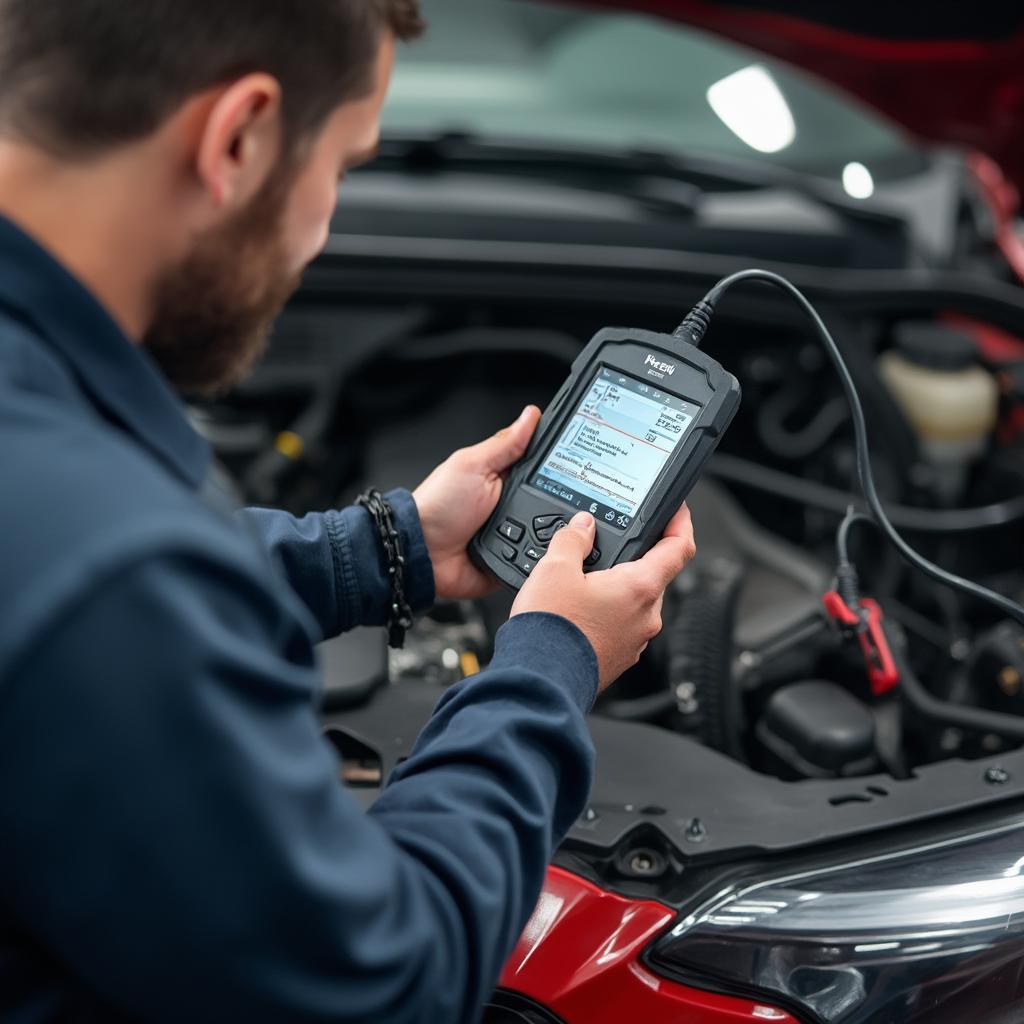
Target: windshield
x: 519, y: 70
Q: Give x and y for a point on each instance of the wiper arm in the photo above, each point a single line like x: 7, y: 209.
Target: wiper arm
x: 659, y: 178
x: 593, y: 169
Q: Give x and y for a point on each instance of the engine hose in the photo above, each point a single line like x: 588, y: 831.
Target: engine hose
x: 701, y: 649
x: 647, y: 708
x: 807, y: 492
x: 920, y: 700
x: 802, y: 443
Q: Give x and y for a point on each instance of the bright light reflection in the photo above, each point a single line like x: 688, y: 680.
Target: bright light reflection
x: 753, y: 108
x: 857, y: 181
x: 875, y: 947
x: 1014, y: 869
x: 542, y: 920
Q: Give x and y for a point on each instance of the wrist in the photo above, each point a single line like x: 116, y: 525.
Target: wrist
x: 554, y: 647
x: 419, y: 569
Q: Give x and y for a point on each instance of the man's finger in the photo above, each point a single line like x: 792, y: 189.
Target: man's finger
x: 680, y: 525
x: 507, y: 446
x: 573, y: 543
x: 667, y: 559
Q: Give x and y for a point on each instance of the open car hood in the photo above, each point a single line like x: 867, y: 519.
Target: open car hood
x: 951, y: 73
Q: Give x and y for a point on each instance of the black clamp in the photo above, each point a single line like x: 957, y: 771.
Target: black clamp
x: 400, y: 617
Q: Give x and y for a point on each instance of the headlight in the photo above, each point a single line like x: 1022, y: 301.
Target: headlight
x: 931, y: 935
x: 512, y: 1008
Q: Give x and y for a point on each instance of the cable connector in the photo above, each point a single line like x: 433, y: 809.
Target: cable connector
x: 696, y: 324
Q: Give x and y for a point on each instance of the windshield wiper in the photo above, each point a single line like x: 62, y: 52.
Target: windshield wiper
x: 660, y: 179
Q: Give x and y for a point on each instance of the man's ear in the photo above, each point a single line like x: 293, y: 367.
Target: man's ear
x: 240, y: 140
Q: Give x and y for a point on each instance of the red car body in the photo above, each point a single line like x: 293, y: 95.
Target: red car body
x: 579, y: 956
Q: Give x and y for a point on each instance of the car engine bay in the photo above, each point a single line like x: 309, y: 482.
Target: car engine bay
x: 751, y: 689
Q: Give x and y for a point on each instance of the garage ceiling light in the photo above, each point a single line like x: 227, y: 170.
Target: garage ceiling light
x: 753, y: 108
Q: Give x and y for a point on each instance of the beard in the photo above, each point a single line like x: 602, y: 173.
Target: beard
x: 213, y: 311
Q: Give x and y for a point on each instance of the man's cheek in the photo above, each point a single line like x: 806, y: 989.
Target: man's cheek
x: 303, y: 247
x: 309, y: 230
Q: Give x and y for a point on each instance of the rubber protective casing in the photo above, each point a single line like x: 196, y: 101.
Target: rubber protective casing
x: 697, y: 378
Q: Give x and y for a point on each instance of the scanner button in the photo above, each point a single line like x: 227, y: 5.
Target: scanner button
x: 511, y: 530
x: 508, y: 552
x: 544, y: 534
x: 534, y: 554
x: 594, y: 557
x: 543, y: 522
x: 525, y: 566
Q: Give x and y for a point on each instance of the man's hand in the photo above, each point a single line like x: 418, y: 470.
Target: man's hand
x: 619, y: 609
x: 457, y: 499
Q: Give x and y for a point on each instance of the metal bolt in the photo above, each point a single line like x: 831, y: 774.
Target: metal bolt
x: 696, y: 832
x: 950, y: 739
x: 641, y: 864
x: 686, y: 698
x: 959, y: 649
x: 996, y: 776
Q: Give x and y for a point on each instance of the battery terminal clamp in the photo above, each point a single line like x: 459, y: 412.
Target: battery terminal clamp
x: 864, y: 621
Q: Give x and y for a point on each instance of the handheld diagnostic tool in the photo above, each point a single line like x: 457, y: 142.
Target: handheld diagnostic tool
x: 625, y: 438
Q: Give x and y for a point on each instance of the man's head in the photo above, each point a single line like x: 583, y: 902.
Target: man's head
x: 254, y: 109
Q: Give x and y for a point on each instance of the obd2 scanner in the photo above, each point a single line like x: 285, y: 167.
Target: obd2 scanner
x: 625, y: 438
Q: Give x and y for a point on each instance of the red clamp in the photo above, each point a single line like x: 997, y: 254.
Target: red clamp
x: 867, y: 625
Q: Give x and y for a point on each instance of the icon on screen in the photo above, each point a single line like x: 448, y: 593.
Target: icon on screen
x: 610, y: 516
x: 593, y: 508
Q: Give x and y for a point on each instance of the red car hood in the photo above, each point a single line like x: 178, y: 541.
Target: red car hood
x: 949, y: 73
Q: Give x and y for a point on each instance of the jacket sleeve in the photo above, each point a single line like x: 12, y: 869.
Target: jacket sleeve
x: 335, y: 563
x: 176, y: 835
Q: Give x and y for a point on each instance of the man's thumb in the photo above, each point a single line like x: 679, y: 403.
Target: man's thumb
x: 509, y: 445
x: 575, y: 542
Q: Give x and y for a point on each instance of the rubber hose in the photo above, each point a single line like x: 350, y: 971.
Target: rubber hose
x: 701, y: 648
x: 920, y: 700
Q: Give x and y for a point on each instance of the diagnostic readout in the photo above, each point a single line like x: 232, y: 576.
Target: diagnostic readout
x: 615, y: 446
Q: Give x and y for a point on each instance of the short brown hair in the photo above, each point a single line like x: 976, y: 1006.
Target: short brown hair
x: 80, y: 76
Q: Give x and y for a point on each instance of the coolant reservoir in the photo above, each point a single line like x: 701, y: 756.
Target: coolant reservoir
x: 951, y: 402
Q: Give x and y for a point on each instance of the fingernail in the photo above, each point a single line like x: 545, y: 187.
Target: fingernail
x: 582, y: 521
x: 524, y: 414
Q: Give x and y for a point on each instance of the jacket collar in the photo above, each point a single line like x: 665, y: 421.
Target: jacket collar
x: 119, y: 377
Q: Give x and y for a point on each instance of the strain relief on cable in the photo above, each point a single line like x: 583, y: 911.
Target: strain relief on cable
x: 848, y: 585
x: 694, y: 327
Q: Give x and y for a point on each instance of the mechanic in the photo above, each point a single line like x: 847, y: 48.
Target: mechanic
x: 176, y: 844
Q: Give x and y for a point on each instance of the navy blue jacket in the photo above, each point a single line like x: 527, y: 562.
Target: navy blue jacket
x: 174, y: 841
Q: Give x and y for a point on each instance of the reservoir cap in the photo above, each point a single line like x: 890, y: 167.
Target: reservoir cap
x: 935, y: 346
